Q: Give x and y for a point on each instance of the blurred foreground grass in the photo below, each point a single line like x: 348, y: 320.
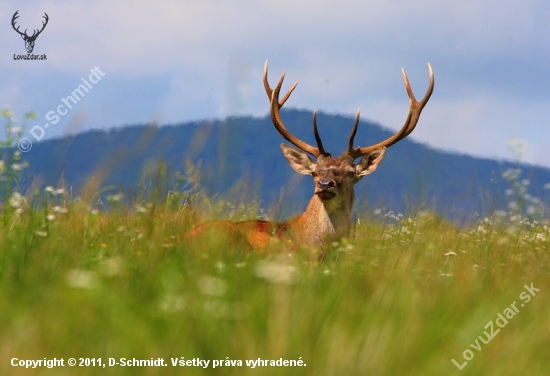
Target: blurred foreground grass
x: 112, y: 276
x: 404, y: 296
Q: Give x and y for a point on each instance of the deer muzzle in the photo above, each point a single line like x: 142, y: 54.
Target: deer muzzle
x: 325, y: 189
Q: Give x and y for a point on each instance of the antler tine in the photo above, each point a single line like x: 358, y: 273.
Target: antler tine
x: 276, y: 105
x: 316, y: 134
x: 268, y: 90
x: 415, y: 108
x: 353, y: 132
x: 45, y: 16
x: 13, y: 19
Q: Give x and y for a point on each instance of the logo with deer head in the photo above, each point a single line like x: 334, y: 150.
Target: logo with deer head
x: 29, y: 39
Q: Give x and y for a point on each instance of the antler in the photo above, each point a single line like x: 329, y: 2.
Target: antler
x: 273, y: 95
x: 414, y: 114
x: 35, y: 34
x: 15, y: 17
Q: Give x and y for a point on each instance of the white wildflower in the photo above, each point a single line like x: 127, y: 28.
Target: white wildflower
x: 140, y: 209
x: 59, y: 209
x: 111, y: 267
x: 82, y: 279
x: 172, y: 303
x: 117, y: 197
x: 212, y: 286
x: 16, y: 200
x: 518, y: 146
x: 277, y: 271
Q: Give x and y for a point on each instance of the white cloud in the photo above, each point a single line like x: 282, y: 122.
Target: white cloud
x: 489, y: 57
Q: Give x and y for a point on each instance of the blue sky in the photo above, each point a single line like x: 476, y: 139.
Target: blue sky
x: 175, y: 61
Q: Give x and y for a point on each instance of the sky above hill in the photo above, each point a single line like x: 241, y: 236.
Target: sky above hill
x: 175, y: 61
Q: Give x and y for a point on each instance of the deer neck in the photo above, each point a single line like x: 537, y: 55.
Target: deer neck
x: 324, y: 221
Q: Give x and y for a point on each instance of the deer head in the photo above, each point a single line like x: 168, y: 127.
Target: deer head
x: 334, y: 178
x: 29, y: 40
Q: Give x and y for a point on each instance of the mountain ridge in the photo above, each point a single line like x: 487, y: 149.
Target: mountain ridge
x: 412, y: 175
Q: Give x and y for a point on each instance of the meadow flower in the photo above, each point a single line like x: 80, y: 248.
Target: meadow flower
x: 140, y: 209
x: 111, y: 267
x: 82, y: 278
x: 481, y: 229
x: 277, y: 271
x: 17, y: 167
x: 117, y: 197
x: 7, y: 112
x: 212, y: 286
x: 519, y: 146
x: 16, y: 200
x: 59, y: 209
x: 511, y: 174
x: 172, y: 303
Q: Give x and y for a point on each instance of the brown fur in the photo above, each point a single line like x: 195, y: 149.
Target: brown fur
x: 327, y: 216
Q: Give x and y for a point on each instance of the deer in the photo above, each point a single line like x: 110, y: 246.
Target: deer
x: 328, y: 214
x: 29, y: 40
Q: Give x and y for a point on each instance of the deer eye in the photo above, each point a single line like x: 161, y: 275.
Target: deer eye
x: 351, y: 173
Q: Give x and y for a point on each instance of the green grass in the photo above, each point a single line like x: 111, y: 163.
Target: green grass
x: 403, y: 296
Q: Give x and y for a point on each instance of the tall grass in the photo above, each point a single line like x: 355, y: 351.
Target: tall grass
x: 112, y: 276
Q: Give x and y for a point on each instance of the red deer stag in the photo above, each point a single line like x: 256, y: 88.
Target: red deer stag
x: 328, y: 214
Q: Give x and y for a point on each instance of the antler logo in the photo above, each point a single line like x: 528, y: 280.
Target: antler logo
x: 29, y: 40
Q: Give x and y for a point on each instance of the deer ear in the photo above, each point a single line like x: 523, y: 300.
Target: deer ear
x: 370, y: 162
x: 298, y: 160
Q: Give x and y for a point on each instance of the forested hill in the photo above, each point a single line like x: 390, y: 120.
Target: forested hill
x: 246, y: 149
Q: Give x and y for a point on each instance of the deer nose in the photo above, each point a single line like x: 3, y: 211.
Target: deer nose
x: 325, y: 184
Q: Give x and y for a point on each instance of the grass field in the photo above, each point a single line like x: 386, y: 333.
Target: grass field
x: 405, y: 295
x: 402, y: 296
